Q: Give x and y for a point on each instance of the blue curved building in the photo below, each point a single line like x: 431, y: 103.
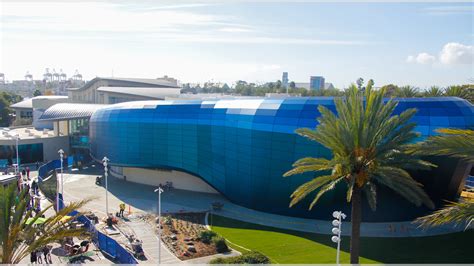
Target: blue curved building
x: 242, y: 147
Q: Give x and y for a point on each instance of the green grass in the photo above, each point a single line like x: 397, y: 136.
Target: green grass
x: 286, y: 246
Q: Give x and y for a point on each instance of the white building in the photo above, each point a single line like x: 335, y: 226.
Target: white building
x: 115, y: 90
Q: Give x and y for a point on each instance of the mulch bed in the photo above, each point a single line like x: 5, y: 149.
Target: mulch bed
x: 180, y: 233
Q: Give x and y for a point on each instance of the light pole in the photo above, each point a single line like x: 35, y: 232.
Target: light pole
x: 106, y: 163
x: 337, y: 231
x: 17, y: 169
x: 61, y: 157
x: 159, y: 190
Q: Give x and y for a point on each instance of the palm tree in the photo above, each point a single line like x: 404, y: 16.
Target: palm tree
x: 459, y: 144
x: 464, y: 92
x: 433, y: 91
x: 407, y: 92
x: 18, y: 238
x: 368, y: 147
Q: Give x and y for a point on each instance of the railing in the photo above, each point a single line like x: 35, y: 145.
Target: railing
x: 45, y: 170
x: 106, y: 244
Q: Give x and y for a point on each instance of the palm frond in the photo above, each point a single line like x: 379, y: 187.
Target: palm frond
x: 454, y: 212
x: 309, y: 164
x: 402, y: 183
x: 454, y: 143
x: 370, y: 191
x: 328, y: 187
x: 19, y: 239
x: 302, y: 191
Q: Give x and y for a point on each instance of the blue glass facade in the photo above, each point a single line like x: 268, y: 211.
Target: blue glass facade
x: 243, y: 147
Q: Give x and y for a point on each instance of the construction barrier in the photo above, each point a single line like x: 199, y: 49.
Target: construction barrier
x: 45, y: 170
x: 106, y: 244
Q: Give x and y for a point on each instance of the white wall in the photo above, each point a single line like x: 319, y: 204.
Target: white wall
x: 180, y: 180
x: 51, y: 147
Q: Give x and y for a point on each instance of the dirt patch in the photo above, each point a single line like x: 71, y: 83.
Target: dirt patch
x: 180, y: 233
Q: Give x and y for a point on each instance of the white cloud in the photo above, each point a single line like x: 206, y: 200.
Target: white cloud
x: 421, y: 58
x: 449, y: 10
x: 452, y: 54
x: 457, y: 54
x: 123, y: 22
x: 235, y: 29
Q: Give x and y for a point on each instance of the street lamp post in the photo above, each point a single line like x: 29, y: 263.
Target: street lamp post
x: 61, y: 158
x: 106, y: 163
x: 337, y: 231
x: 159, y: 190
x: 17, y: 169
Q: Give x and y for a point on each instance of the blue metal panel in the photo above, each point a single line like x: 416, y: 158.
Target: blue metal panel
x: 243, y: 147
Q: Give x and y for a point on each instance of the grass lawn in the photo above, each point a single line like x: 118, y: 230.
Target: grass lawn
x: 286, y: 246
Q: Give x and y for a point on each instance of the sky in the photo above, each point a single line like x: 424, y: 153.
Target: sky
x: 419, y: 44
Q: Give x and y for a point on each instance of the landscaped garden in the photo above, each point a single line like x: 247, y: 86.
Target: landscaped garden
x: 286, y: 246
x: 187, y: 237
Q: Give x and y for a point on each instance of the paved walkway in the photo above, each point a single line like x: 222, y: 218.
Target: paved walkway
x: 143, y: 199
x: 57, y: 253
x: 143, y: 231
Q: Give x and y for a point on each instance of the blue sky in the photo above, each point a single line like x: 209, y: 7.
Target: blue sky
x: 420, y: 44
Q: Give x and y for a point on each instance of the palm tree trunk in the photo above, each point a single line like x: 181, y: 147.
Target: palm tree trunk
x: 355, y: 220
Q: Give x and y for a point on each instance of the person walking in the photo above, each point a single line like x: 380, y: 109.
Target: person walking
x: 38, y: 256
x: 28, y: 172
x: 34, y: 187
x: 122, y: 209
x: 47, y: 254
x: 33, y: 258
x: 37, y: 166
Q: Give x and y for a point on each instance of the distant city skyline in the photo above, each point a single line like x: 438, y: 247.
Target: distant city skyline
x: 420, y: 44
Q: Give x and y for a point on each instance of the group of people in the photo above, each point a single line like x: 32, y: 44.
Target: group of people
x: 37, y: 256
x: 75, y: 249
x: 25, y: 183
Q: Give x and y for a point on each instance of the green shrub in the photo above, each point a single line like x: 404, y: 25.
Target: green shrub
x: 206, y: 236
x: 221, y: 245
x: 252, y: 257
x: 219, y: 261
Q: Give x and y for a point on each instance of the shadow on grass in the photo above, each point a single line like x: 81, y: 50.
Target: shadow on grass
x: 450, y: 248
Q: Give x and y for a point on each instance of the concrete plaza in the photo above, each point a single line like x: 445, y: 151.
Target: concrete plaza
x: 141, y: 198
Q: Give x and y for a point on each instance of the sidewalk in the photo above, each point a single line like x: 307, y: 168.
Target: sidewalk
x: 57, y: 253
x: 143, y: 199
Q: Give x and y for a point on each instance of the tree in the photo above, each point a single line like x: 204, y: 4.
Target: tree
x: 17, y: 238
x: 390, y: 90
x: 7, y: 99
x: 433, y: 91
x: 407, y: 92
x: 369, y: 148
x: 292, y: 85
x: 458, y: 144
x: 360, y: 83
x: 5, y: 112
x: 464, y: 92
x: 11, y: 98
x: 36, y: 93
